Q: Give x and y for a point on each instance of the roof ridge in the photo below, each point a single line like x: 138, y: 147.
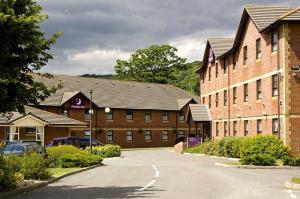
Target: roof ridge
x: 289, y: 13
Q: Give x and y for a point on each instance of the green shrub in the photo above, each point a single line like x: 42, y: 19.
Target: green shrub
x: 7, y: 177
x: 34, y: 167
x: 290, y: 161
x: 259, y: 159
x: 106, y: 151
x: 207, y: 147
x: 14, y: 163
x: 230, y: 147
x: 78, y: 160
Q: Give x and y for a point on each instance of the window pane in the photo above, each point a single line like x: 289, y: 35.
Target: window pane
x: 181, y: 116
x: 165, y: 135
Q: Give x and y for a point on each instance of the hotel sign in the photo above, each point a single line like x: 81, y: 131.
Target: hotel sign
x: 77, y: 103
x: 210, y: 56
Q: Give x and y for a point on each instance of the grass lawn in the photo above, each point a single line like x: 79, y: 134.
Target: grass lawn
x: 56, y: 172
x: 296, y: 180
x: 232, y: 163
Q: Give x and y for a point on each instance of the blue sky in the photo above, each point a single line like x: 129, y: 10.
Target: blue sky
x: 97, y: 32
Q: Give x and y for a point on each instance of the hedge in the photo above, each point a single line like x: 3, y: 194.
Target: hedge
x: 106, y: 151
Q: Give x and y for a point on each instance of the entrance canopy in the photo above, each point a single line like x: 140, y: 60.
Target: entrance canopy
x: 34, y: 121
x: 199, y: 113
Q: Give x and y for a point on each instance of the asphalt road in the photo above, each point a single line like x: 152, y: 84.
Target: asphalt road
x: 164, y: 174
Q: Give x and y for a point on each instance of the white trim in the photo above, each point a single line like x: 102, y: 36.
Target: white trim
x: 245, y: 82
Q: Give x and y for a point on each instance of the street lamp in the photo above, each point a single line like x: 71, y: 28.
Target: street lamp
x: 91, y: 112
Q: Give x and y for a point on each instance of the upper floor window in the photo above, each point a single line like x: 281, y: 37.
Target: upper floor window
x: 209, y: 101
x: 65, y: 112
x: 234, y: 93
x: 148, y: 115
x: 245, y: 92
x: 258, y: 48
x: 245, y: 55
x: 225, y: 65
x: 234, y: 128
x: 109, y: 115
x: 245, y: 127
x: 109, y: 135
x: 217, y: 129
x: 225, y: 98
x: 165, y: 116
x: 129, y: 135
x: 274, y: 41
x: 258, y: 89
x: 275, y: 126
x: 217, y: 69
x: 259, y: 126
x: 275, y: 85
x: 209, y: 73
x: 233, y: 61
x: 129, y: 115
x: 225, y: 129
x: 181, y: 116
x: 87, y: 114
x: 217, y: 99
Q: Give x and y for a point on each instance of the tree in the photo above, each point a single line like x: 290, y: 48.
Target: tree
x: 154, y: 64
x: 24, y: 50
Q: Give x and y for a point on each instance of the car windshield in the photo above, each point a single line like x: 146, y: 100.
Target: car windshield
x: 13, y: 149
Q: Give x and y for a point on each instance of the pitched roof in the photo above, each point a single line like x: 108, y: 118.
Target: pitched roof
x: 116, y: 93
x: 47, y: 117
x: 199, y: 113
x: 220, y: 45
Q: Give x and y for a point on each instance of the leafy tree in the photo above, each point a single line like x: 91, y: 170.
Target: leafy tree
x: 154, y: 64
x: 24, y: 50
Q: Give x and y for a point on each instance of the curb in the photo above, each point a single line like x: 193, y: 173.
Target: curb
x: 254, y: 167
x: 42, y: 184
x: 292, y: 186
x: 212, y: 156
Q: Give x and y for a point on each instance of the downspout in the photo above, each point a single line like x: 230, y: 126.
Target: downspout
x: 278, y: 85
x: 176, y: 124
x: 229, y: 103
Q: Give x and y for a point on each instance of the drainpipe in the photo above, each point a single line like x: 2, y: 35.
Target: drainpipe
x: 278, y: 84
x: 228, y: 93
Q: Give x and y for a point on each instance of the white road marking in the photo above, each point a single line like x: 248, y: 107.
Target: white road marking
x: 157, y: 174
x: 154, y: 167
x: 148, y: 185
x: 292, y: 195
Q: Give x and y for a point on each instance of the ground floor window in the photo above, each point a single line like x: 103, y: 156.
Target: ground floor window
x: 245, y: 127
x: 234, y: 128
x: 217, y: 129
x: 225, y: 129
x: 87, y: 134
x: 129, y: 135
x: 148, y: 135
x: 165, y: 135
x: 109, y: 135
x: 181, y: 134
x: 259, y: 126
x: 275, y: 126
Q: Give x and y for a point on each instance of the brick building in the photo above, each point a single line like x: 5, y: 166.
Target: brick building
x: 141, y: 114
x: 251, y: 82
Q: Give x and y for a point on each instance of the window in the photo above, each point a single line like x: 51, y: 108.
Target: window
x: 234, y: 128
x: 209, y: 73
x: 275, y: 126
x: 245, y: 127
x: 258, y: 89
x: 181, y: 116
x: 87, y: 134
x: 148, y: 115
x: 181, y: 134
x: 275, y: 85
x: 233, y: 61
x: 129, y: 115
x: 165, y: 135
x: 109, y: 135
x: 217, y: 99
x: 234, y: 95
x: 225, y: 129
x: 217, y: 129
x: 65, y: 112
x: 225, y: 98
x: 258, y: 48
x: 274, y: 41
x: 109, y: 115
x: 87, y: 114
x: 148, y: 135
x: 203, y: 100
x: 259, y: 126
x: 225, y: 65
x: 245, y: 92
x: 129, y: 135
x: 209, y: 101
x: 217, y: 70
x: 245, y: 55
x: 165, y: 116
x: 30, y: 130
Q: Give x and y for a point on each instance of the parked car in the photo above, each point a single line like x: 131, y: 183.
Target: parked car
x: 75, y: 141
x: 20, y: 148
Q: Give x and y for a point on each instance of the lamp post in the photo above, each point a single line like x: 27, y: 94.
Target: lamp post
x: 91, y: 112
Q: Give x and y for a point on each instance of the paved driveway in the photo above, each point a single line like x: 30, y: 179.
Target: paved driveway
x: 164, y: 174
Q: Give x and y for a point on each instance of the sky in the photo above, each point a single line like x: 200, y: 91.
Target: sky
x: 98, y: 32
